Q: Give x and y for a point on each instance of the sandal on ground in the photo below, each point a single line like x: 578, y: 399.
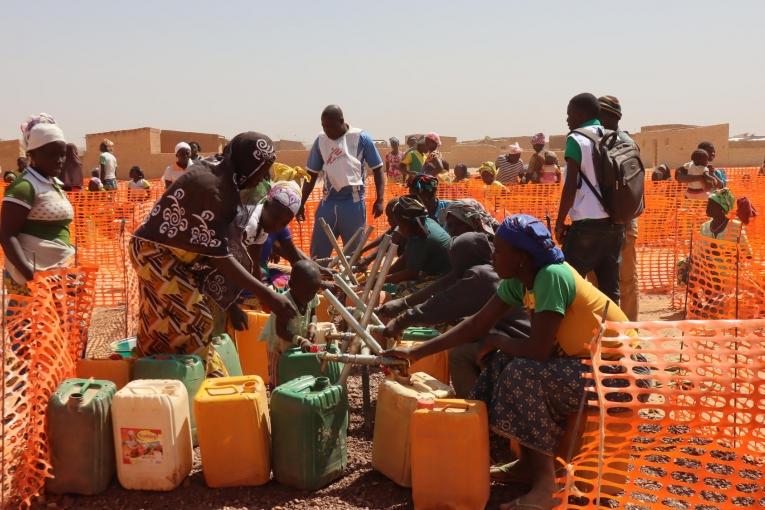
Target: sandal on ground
x: 517, y: 504
x: 505, y: 473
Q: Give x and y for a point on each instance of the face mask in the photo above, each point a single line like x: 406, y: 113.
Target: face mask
x: 252, y: 196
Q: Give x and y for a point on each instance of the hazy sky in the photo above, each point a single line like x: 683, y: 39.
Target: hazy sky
x: 462, y: 68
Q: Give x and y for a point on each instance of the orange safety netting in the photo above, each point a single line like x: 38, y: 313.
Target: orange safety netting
x: 681, y: 424
x: 665, y: 227
x: 725, y: 280
x: 44, y: 334
x: 668, y: 232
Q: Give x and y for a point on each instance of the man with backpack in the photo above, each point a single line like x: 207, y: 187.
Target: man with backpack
x: 602, y: 192
x: 610, y: 115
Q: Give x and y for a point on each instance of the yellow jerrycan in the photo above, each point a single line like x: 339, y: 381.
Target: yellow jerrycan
x: 234, y: 431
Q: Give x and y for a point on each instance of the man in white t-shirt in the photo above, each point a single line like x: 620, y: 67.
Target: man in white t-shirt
x: 594, y: 241
x: 182, y: 163
x: 340, y: 154
x: 108, y: 163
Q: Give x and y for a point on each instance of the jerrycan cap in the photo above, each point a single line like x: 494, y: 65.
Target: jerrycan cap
x: 426, y: 403
x: 321, y: 383
x: 314, y: 348
x: 75, y: 401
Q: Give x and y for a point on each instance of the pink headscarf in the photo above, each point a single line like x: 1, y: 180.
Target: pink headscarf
x: 287, y: 193
x: 514, y: 149
x: 538, y: 139
x: 745, y: 210
x: 434, y: 136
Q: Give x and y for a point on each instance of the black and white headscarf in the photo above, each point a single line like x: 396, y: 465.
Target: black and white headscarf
x: 197, y: 212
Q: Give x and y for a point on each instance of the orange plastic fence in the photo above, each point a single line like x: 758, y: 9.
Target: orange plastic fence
x: 725, y: 280
x: 685, y: 428
x: 104, y: 219
x: 44, y: 334
x: 102, y: 227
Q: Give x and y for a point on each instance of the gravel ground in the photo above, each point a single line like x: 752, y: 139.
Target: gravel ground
x: 360, y: 488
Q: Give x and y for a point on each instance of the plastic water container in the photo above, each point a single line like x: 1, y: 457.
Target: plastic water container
x: 294, y: 363
x: 395, y: 404
x: 80, y: 436
x: 124, y: 348
x: 234, y: 431
x: 322, y: 330
x: 390, y: 288
x: 187, y: 368
x: 436, y: 364
x: 322, y: 311
x: 309, y: 424
x: 226, y: 349
x: 419, y: 334
x: 119, y: 370
x: 253, y: 353
x: 450, y: 455
x: 152, y: 434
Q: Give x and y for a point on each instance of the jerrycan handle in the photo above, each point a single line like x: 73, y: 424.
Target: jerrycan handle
x: 456, y: 406
x: 216, y: 390
x: 86, y: 385
x: 223, y: 389
x: 143, y: 390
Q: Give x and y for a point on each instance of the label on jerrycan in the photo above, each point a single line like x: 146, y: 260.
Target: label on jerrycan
x: 141, y: 446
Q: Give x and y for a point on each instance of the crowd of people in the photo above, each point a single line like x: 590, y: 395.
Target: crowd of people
x: 517, y: 309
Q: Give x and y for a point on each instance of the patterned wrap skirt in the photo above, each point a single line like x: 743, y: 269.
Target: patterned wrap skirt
x: 529, y: 401
x: 410, y: 287
x: 175, y: 317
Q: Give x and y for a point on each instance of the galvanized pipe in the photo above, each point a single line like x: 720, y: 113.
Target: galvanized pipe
x: 361, y: 359
x: 360, y: 305
x: 357, y: 251
x: 353, y: 323
x: 353, y: 348
x: 375, y: 297
x: 333, y: 262
x: 347, y: 246
x: 375, y: 269
x: 341, y: 257
x: 340, y: 336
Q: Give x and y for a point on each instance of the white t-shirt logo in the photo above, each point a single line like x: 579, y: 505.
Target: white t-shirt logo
x: 334, y: 155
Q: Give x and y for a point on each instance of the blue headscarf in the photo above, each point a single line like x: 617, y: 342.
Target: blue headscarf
x: 527, y: 233
x: 422, y: 182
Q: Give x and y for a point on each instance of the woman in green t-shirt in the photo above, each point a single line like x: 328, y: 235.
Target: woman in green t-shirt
x: 532, y: 385
x: 427, y: 244
x: 34, y: 227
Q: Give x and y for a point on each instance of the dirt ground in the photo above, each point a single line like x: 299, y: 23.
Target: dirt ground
x: 360, y: 488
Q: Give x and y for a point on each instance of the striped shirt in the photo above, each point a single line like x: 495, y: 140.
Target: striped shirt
x: 508, y: 173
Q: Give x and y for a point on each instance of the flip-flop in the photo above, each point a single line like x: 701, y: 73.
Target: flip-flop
x: 505, y: 474
x: 519, y: 505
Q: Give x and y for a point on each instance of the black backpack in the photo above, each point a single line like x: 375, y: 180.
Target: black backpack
x: 620, y: 174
